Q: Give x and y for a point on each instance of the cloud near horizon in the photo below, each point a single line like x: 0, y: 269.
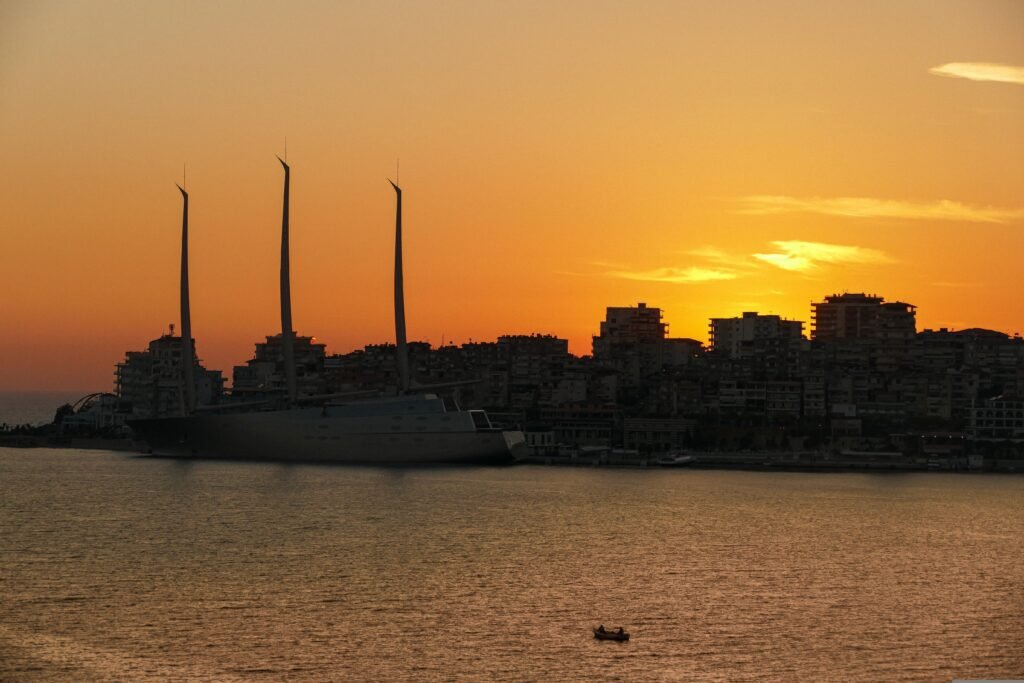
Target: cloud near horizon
x: 981, y: 71
x: 790, y: 255
x: 869, y: 207
x: 721, y: 258
x: 676, y: 275
x: 803, y: 257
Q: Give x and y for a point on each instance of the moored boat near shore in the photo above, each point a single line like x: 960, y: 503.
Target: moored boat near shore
x: 676, y: 459
x: 407, y: 430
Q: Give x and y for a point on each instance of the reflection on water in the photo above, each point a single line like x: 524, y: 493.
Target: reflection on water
x: 113, y: 567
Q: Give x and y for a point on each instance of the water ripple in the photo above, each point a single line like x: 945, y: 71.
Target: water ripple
x: 115, y: 568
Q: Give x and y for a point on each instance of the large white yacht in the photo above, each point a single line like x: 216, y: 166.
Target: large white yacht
x: 405, y: 430
x: 412, y: 428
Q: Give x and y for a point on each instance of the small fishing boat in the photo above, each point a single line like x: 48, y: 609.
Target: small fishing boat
x: 615, y: 634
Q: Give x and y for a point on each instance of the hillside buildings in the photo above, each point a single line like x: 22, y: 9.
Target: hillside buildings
x: 866, y: 379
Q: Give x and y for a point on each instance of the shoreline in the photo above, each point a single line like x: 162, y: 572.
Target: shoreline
x: 31, y: 441
x: 753, y: 461
x: 790, y: 462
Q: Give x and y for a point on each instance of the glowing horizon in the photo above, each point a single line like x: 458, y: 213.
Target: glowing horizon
x: 556, y: 160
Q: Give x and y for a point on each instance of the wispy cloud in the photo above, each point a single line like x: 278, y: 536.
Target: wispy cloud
x: 981, y: 71
x: 791, y: 255
x: 719, y: 257
x: 807, y: 256
x: 710, y: 253
x: 868, y: 207
x: 686, y: 275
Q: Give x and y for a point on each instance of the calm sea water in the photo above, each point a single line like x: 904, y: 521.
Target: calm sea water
x: 123, y: 568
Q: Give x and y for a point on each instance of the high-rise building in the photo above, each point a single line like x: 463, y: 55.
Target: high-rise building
x: 631, y: 343
x: 629, y: 325
x: 151, y: 381
x: 266, y: 371
x: 535, y: 364
x: 634, y: 342
x: 862, y: 316
x: 747, y: 335
x: 862, y: 331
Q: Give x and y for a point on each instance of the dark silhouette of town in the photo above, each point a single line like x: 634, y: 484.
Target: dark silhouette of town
x: 865, y: 387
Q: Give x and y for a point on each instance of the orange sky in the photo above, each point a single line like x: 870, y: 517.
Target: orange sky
x: 557, y: 158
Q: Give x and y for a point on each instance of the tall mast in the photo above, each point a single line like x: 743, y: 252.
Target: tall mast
x: 402, y: 348
x: 287, y: 335
x: 187, y: 352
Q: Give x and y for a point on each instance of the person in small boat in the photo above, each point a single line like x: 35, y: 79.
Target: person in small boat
x: 620, y: 630
x: 600, y: 629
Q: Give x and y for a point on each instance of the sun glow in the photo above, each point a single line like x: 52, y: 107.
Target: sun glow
x: 707, y: 158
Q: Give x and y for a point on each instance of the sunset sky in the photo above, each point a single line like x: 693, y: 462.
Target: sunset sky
x: 556, y: 158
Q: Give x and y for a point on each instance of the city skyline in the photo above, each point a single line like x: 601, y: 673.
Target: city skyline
x: 865, y: 382
x: 708, y: 160
x: 800, y: 330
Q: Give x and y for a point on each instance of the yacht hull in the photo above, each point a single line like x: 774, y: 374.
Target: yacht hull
x: 313, y: 435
